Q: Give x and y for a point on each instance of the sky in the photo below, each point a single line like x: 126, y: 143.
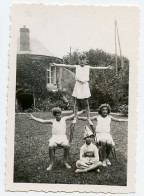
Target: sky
x: 81, y: 27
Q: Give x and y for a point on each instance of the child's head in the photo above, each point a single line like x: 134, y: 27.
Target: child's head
x: 57, y: 113
x: 88, y: 135
x: 104, y: 109
x: 89, y: 139
x: 82, y: 59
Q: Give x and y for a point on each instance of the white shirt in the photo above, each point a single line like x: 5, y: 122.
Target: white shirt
x: 59, y: 127
x: 82, y: 73
x: 89, y: 148
x: 103, y: 124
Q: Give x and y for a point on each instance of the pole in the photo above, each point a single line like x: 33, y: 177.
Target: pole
x: 70, y: 56
x: 122, y: 64
x: 116, y: 47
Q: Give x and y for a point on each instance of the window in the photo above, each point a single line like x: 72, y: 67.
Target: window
x: 51, y: 74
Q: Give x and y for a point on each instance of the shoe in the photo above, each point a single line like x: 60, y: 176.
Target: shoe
x: 104, y: 163
x: 67, y: 165
x: 49, y: 167
x: 108, y: 162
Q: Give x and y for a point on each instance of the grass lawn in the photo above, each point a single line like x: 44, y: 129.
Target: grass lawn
x: 31, y: 155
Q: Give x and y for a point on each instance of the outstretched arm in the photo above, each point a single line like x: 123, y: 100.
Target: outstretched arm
x: 109, y: 67
x: 119, y: 119
x: 41, y: 120
x: 71, y: 117
x: 82, y: 118
x: 85, y: 118
x: 63, y: 65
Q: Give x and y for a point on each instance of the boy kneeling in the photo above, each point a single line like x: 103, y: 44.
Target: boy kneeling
x: 89, y: 157
x: 59, y: 137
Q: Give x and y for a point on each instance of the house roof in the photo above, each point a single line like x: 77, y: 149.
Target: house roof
x: 36, y: 48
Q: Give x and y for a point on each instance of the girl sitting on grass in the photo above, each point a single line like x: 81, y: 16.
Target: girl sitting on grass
x: 59, y: 137
x: 102, y: 131
x: 89, y: 157
x: 81, y: 90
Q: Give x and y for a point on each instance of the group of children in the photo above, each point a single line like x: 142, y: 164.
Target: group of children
x: 89, y: 152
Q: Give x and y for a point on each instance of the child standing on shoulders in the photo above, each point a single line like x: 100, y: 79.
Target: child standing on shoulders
x: 89, y: 157
x: 103, y: 136
x: 81, y: 90
x: 59, y: 137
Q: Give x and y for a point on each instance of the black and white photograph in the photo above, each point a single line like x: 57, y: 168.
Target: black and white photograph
x: 72, y: 98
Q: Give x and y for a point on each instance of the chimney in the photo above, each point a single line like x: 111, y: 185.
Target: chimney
x: 24, y: 39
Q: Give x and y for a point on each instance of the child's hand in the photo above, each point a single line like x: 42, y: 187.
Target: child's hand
x: 83, y: 111
x: 31, y: 117
x: 80, y: 81
x: 110, y: 67
x: 90, y: 122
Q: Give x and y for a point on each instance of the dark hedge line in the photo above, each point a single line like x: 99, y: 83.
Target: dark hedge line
x: 106, y: 86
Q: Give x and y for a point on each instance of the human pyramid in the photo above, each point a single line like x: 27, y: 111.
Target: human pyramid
x: 89, y: 156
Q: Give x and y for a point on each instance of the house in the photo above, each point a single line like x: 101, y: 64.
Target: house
x: 36, y: 79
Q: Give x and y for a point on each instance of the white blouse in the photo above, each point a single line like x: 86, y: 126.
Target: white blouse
x: 103, y: 124
x: 59, y: 127
x: 82, y: 73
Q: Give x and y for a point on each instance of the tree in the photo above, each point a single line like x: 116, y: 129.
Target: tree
x: 106, y: 86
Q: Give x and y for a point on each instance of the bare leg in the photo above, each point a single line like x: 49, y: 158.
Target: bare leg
x: 51, y: 155
x: 66, y: 155
x: 103, y: 150
x: 75, y: 109
x: 87, y: 108
x: 72, y: 132
x: 90, y: 168
x: 95, y: 166
x: 108, y: 150
x: 81, y: 164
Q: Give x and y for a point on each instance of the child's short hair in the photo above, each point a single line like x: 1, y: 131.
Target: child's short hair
x: 82, y: 56
x: 56, y: 110
x: 104, y: 105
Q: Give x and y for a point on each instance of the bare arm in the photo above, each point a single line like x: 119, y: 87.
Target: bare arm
x: 81, y: 154
x: 109, y: 67
x: 41, y: 120
x: 119, y: 119
x: 82, y: 118
x: 85, y: 118
x: 71, y: 117
x: 96, y: 154
x: 63, y: 65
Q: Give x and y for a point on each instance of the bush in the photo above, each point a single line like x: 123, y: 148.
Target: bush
x: 106, y: 86
x: 123, y: 109
x: 47, y: 105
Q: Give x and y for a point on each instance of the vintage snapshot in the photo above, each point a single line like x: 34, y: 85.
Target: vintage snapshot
x: 72, y: 98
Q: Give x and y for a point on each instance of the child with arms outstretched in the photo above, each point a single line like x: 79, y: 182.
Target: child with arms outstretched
x: 81, y: 90
x: 59, y: 137
x: 89, y: 157
x: 103, y: 136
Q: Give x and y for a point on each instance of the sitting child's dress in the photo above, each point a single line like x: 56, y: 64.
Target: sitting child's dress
x: 81, y: 89
x: 88, y: 156
x: 58, y: 133
x: 103, y: 129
